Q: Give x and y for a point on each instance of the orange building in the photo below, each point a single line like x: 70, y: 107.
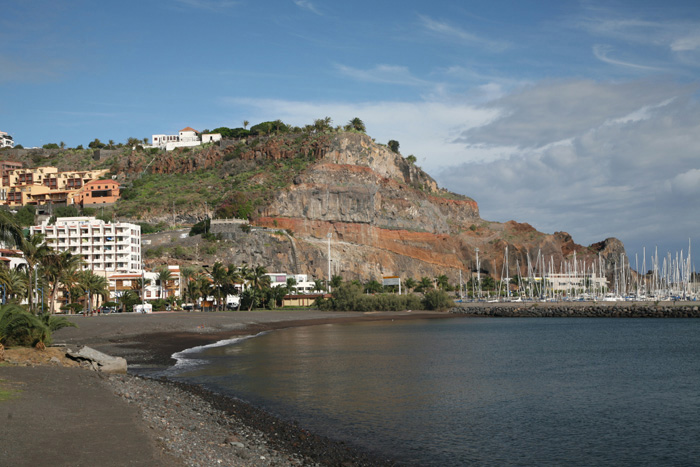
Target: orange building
x: 97, y: 192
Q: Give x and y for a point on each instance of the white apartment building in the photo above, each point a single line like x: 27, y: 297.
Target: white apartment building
x: 103, y: 246
x: 6, y: 140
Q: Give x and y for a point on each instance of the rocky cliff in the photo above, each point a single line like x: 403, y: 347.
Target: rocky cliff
x: 382, y: 215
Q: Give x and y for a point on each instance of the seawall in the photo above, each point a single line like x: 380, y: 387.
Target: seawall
x: 580, y: 310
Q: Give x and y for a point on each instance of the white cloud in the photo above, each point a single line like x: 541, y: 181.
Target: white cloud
x: 455, y: 33
x: 549, y: 112
x: 425, y: 129
x: 602, y: 53
x: 624, y: 172
x: 686, y: 44
x: 307, y: 5
x: 687, y: 183
x: 594, y: 159
x: 387, y: 74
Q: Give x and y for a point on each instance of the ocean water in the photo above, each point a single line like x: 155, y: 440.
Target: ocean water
x: 471, y: 391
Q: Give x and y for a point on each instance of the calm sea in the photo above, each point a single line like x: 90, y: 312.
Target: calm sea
x: 478, y: 391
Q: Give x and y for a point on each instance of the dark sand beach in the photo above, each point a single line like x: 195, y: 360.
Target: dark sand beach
x: 72, y: 416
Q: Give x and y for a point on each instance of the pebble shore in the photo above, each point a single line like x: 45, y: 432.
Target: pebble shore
x: 203, y: 429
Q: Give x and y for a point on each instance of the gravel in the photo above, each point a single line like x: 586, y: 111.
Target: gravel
x: 202, y: 428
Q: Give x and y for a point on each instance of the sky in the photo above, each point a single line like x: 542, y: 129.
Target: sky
x: 575, y: 116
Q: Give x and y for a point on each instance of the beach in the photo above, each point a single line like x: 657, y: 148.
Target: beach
x: 72, y: 416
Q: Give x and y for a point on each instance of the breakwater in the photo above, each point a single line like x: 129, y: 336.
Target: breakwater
x: 580, y: 310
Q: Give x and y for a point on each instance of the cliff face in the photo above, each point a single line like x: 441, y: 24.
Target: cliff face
x: 387, y: 217
x: 384, y: 215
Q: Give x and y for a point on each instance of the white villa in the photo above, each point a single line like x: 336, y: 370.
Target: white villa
x: 6, y: 140
x: 303, y: 285
x: 187, y: 137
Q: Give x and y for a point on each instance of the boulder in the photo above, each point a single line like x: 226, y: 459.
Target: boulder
x: 99, y: 361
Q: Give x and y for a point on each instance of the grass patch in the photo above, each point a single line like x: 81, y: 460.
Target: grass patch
x: 7, y: 394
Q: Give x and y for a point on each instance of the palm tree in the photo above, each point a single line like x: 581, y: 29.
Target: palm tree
x: 220, y: 280
x: 56, y: 268
x: 425, y: 284
x: 373, y: 286
x: 10, y: 231
x: 14, y: 283
x: 164, y: 276
x: 128, y: 299
x: 34, y: 249
x: 94, y: 286
x: 442, y: 282
x: 193, y: 291
x: 291, y: 285
x: 410, y: 283
x: 336, y: 281
x: 258, y: 281
x: 318, y: 285
x: 187, y: 272
x: 245, y: 124
x: 356, y: 124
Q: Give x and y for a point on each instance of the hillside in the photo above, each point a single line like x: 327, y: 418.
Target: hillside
x: 385, y: 216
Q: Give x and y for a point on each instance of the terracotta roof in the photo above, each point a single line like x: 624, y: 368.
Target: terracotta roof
x: 189, y: 129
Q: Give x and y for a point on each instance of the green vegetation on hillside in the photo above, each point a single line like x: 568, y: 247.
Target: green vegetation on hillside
x: 235, y: 189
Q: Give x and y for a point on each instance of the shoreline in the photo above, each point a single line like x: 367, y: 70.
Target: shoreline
x: 257, y: 437
x: 195, y: 426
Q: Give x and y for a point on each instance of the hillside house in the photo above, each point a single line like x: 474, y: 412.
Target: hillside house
x: 6, y: 140
x: 187, y: 137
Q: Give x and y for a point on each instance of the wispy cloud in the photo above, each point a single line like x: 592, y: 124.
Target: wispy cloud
x: 386, y: 74
x: 602, y: 53
x: 307, y: 5
x: 455, y: 33
x: 674, y: 35
x: 686, y: 44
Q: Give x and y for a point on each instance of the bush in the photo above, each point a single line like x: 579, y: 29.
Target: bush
x: 200, y: 227
x: 349, y: 297
x: 18, y: 327
x: 437, y: 300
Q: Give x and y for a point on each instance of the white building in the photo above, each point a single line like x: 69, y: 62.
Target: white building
x: 6, y: 140
x: 302, y: 285
x: 103, y: 246
x: 187, y: 137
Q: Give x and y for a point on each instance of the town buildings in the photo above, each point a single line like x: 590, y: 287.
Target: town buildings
x: 187, y: 137
x: 42, y: 186
x: 154, y: 289
x: 105, y: 247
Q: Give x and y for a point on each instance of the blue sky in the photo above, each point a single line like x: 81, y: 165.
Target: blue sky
x: 574, y: 116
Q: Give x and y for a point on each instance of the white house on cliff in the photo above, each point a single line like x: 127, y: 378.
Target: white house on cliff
x: 187, y: 137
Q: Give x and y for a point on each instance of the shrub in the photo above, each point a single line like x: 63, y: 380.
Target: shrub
x: 436, y: 300
x: 18, y: 327
x: 348, y: 296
